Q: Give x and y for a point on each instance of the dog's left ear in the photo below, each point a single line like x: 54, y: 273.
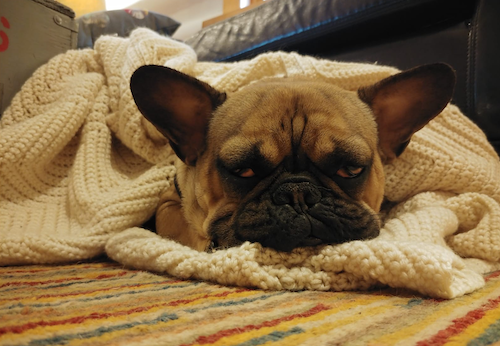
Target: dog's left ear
x: 178, y: 105
x: 406, y: 102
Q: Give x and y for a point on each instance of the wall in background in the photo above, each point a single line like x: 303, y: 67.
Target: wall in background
x: 82, y: 7
x: 232, y: 8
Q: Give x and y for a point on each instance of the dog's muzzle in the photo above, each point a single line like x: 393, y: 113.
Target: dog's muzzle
x: 297, y: 192
x: 298, y: 211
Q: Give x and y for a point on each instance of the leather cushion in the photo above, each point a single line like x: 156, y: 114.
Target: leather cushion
x: 288, y: 25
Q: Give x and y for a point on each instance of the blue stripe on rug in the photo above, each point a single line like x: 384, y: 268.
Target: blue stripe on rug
x: 272, y: 337
x: 65, y: 338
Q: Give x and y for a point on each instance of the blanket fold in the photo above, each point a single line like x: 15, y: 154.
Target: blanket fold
x: 81, y: 169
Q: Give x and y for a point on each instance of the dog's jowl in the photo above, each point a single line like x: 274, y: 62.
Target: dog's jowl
x: 286, y: 162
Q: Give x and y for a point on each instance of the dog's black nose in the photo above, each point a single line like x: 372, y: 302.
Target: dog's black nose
x: 300, y: 195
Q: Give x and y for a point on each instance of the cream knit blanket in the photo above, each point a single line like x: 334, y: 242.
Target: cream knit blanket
x: 79, y: 173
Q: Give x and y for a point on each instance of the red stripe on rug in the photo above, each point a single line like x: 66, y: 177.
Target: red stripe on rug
x: 94, y: 316
x: 63, y: 267
x: 492, y: 276
x: 74, y: 320
x: 79, y: 293
x: 39, y: 283
x: 92, y: 291
x: 30, y: 271
x: 460, y: 324
x: 209, y: 339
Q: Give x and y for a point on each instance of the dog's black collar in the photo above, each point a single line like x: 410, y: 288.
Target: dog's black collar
x: 176, y: 184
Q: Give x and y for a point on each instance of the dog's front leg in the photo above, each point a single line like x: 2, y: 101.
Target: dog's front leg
x: 171, y: 223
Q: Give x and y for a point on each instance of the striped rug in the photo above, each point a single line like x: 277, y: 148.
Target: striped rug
x: 101, y: 303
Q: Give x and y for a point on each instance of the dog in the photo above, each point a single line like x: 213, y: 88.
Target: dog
x: 286, y: 162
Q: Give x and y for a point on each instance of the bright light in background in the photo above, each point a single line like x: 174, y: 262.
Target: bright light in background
x: 118, y: 4
x: 244, y: 3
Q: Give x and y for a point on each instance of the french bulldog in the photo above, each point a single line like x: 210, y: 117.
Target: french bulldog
x: 286, y: 162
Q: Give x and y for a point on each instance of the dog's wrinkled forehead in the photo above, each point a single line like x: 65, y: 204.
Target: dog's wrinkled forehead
x: 316, y: 120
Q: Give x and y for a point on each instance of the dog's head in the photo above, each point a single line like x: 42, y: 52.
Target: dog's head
x: 284, y: 162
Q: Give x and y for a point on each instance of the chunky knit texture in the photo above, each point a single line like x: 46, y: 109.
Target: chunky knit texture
x: 80, y: 170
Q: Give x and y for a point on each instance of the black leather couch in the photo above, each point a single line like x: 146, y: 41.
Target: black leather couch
x: 401, y: 33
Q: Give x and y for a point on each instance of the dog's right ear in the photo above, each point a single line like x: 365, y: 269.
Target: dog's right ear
x: 405, y: 102
x: 178, y: 105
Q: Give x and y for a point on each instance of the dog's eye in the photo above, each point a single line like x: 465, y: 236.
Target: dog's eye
x: 349, y: 171
x: 244, y: 172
